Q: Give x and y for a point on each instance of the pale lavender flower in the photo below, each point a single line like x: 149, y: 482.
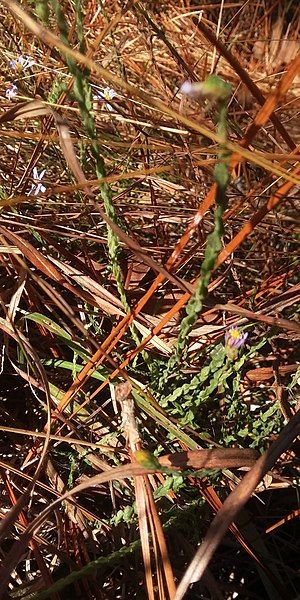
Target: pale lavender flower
x: 234, y: 340
x: 37, y: 186
x: 191, y: 89
x: 21, y: 63
x: 104, y: 96
x: 11, y: 91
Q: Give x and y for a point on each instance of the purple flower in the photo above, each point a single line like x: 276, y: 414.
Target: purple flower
x: 234, y: 340
x: 21, y: 63
x: 193, y: 90
x: 11, y: 91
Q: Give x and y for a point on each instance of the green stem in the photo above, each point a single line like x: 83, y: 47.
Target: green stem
x: 84, y: 95
x: 214, y: 240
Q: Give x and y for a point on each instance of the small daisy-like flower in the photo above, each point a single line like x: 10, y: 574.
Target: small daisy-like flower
x: 21, y: 63
x: 37, y: 186
x: 11, y: 91
x: 234, y: 340
x: 104, y: 96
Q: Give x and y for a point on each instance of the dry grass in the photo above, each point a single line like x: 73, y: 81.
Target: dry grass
x: 97, y: 268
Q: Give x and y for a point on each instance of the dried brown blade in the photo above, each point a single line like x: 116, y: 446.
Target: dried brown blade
x: 245, y: 77
x: 146, y: 507
x: 233, y: 504
x: 217, y: 458
x: 26, y: 110
x: 19, y: 547
x: 251, y: 315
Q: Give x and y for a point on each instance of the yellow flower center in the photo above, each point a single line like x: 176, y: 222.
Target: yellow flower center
x: 234, y: 333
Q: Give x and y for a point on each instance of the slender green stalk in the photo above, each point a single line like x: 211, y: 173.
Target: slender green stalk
x: 217, y: 91
x: 42, y: 11
x: 83, y: 93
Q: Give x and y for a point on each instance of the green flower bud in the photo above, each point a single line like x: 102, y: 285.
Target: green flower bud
x: 213, y: 88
